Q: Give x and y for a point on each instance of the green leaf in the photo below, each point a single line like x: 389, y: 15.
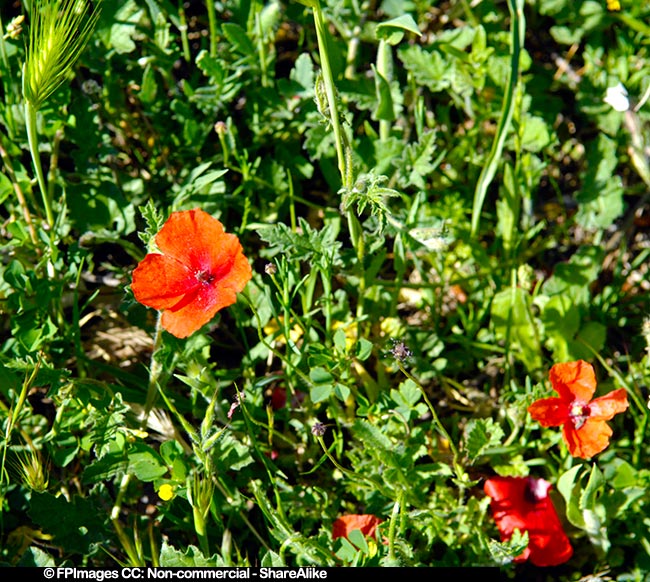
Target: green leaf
x: 561, y: 320
x: 364, y: 349
x: 357, y: 538
x: 303, y: 73
x: 321, y: 392
x: 417, y: 161
x: 320, y: 375
x: 145, y: 463
x: 106, y: 468
x: 385, y: 109
x: 123, y: 33
x: 481, y: 434
x: 272, y: 560
x: 393, y: 30
x: 535, y: 135
x: 77, y: 525
x: 170, y: 557
x: 64, y: 448
x: 407, y: 398
x: 238, y: 38
x: 149, y: 88
x: 593, y: 512
x: 514, y: 324
x: 599, y: 208
x: 381, y: 445
x: 505, y: 552
x: 34, y: 557
x: 340, y: 340
x: 342, y: 392
x: 569, y: 488
x: 572, y: 279
x: 318, y: 246
x: 594, y: 488
x: 430, y: 69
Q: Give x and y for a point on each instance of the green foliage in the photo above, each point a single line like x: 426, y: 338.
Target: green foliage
x: 435, y: 213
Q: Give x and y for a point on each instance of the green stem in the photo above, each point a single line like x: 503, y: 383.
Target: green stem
x: 14, y: 413
x: 32, y: 138
x: 392, y: 527
x: 436, y: 420
x: 517, y: 31
x: 384, y: 68
x: 8, y: 110
x: 19, y: 194
x: 198, y: 513
x: 183, y: 30
x: 260, y: 48
x: 155, y: 370
x: 328, y: 81
x: 212, y: 23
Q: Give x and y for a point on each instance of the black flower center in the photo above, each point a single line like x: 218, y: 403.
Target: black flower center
x: 536, y: 490
x: 205, y: 277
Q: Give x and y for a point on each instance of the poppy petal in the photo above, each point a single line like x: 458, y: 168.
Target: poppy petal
x: 189, y: 236
x: 523, y: 503
x: 239, y: 271
x: 199, y: 271
x: 589, y: 440
x: 160, y: 282
x: 198, y: 310
x: 574, y: 380
x: 345, y: 524
x: 549, y: 411
x: 606, y: 407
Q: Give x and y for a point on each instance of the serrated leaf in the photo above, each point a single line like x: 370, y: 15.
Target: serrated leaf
x: 505, y: 552
x: 481, y: 434
x: 378, y: 443
x: 303, y: 73
x: 417, y: 161
x: 306, y: 243
x: 430, y: 69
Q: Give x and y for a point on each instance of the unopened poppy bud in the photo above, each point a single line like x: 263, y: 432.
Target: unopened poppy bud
x: 220, y: 128
x: 270, y: 269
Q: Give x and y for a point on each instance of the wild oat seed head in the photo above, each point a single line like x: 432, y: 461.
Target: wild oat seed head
x: 58, y: 33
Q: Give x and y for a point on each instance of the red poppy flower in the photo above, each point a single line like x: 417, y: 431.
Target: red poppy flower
x: 523, y: 503
x: 345, y: 524
x: 584, y: 428
x: 198, y: 271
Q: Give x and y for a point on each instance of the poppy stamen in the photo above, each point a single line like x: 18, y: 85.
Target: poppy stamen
x: 204, y: 277
x: 579, y: 414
